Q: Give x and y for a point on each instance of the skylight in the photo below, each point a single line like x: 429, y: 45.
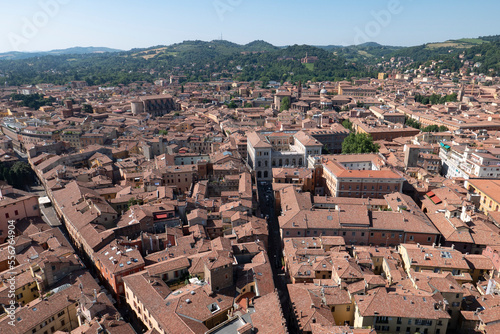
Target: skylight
x: 213, y: 308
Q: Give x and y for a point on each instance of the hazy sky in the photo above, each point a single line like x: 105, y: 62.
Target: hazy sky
x: 35, y: 25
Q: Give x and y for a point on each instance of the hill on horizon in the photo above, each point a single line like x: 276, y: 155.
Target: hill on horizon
x: 73, y: 50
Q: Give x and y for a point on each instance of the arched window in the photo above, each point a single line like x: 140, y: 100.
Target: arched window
x: 265, y: 174
x: 259, y: 174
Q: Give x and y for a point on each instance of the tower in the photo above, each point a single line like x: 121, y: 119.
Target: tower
x: 461, y: 93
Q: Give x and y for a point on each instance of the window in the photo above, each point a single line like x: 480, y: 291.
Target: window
x: 353, y: 234
x: 7, y: 215
x: 16, y: 213
x: 348, y: 308
x: 411, y: 237
x: 371, y: 234
x: 344, y: 233
x: 429, y: 239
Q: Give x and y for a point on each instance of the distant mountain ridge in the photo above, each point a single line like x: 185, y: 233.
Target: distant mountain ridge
x: 72, y: 50
x: 368, y: 49
x: 203, y: 61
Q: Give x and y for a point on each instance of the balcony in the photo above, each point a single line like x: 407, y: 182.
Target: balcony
x: 381, y: 320
x: 423, y: 322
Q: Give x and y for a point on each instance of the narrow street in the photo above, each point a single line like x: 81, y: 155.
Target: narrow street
x: 48, y: 213
x: 266, y: 204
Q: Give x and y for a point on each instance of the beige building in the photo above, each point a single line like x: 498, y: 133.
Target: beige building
x: 400, y: 313
x: 15, y: 205
x: 192, y: 309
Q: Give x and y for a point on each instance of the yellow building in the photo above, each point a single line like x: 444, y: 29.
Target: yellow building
x: 47, y: 108
x: 440, y: 260
x: 485, y: 194
x: 26, y: 288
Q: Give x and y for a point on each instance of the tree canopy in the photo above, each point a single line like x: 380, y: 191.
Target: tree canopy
x: 359, y: 143
x: 19, y: 175
x: 435, y: 98
x: 33, y: 101
x: 285, y: 103
x: 435, y: 128
x: 347, y: 124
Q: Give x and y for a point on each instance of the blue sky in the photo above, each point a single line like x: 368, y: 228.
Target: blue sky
x: 31, y: 25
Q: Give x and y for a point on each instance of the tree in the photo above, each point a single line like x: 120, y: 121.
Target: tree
x: 359, y: 143
x: 285, y: 103
x: 87, y: 108
x: 134, y: 201
x: 431, y: 128
x: 232, y: 105
x: 19, y: 175
x: 248, y: 105
x: 412, y: 122
x: 182, y: 89
x: 347, y: 124
x: 443, y: 128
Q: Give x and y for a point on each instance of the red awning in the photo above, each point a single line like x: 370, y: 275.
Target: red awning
x: 162, y: 216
